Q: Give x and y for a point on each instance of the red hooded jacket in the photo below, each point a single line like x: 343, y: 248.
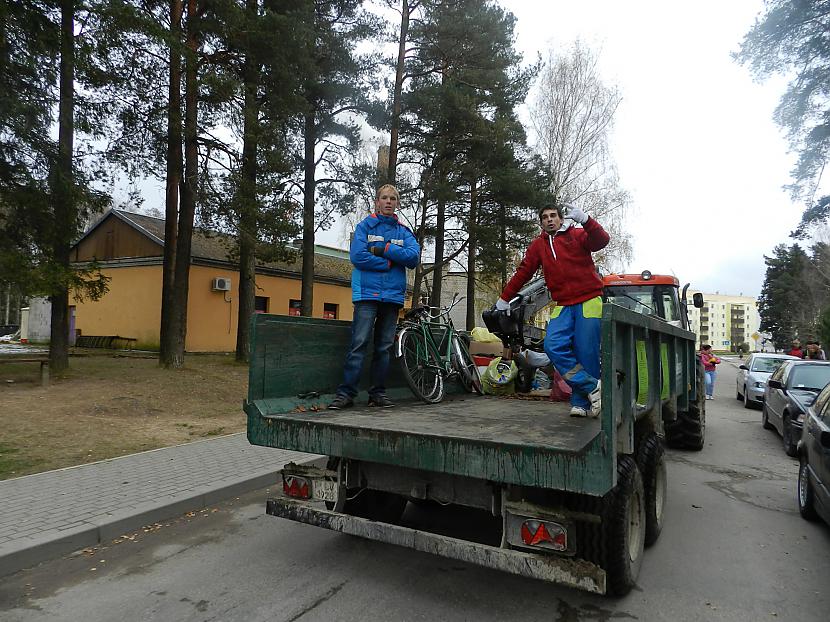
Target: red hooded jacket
x: 566, y: 262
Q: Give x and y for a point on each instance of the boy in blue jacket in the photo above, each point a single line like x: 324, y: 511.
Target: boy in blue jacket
x: 381, y: 251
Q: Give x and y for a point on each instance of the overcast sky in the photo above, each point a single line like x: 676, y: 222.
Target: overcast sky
x: 694, y: 139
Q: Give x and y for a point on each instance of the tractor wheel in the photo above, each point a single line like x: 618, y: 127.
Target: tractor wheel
x: 652, y: 465
x: 624, y: 524
x: 689, y: 429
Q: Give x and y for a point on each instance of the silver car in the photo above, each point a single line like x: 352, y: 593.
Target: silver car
x: 753, y: 376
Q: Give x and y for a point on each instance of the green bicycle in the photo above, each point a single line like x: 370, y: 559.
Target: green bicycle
x: 430, y: 351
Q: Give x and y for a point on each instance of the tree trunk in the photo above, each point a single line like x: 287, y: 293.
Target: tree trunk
x: 309, y: 186
x: 65, y: 217
x: 438, y: 271
x: 471, y: 257
x: 171, y: 200
x: 396, y: 97
x: 503, y: 244
x: 188, y: 190
x: 248, y: 204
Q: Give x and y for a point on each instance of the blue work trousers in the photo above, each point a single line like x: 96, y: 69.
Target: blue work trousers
x: 572, y: 344
x: 709, y: 378
x: 375, y: 322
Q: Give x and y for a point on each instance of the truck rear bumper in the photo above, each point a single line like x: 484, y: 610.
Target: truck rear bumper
x: 564, y: 571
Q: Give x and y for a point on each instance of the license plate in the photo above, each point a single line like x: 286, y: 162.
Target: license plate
x: 325, y: 490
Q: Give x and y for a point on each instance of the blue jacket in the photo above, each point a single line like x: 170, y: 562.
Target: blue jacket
x: 382, y: 279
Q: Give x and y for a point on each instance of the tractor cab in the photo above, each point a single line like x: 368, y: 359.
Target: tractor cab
x: 651, y: 294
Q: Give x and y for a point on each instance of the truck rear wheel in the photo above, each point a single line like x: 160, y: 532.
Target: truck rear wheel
x: 688, y: 430
x: 652, y: 465
x: 625, y: 526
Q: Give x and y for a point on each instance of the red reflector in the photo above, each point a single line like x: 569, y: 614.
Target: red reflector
x: 296, y: 487
x: 535, y: 533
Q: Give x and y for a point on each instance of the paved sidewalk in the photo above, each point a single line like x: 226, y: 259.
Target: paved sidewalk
x: 46, y: 515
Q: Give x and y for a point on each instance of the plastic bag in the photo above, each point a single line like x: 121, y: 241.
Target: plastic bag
x: 560, y: 391
x: 500, y: 377
x: 483, y: 335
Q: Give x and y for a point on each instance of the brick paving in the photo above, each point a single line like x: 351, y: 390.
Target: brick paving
x: 49, y: 514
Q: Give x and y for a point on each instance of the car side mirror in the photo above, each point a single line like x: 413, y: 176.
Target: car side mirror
x: 743, y: 367
x: 697, y: 300
x: 775, y: 384
x: 824, y: 439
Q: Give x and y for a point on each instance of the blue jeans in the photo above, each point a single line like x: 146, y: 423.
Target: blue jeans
x: 572, y: 343
x: 377, y: 319
x: 709, y: 378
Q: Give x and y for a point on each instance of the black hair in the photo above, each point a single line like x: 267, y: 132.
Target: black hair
x: 548, y: 206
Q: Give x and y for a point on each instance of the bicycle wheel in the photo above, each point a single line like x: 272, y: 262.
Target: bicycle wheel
x: 421, y: 371
x: 464, y: 364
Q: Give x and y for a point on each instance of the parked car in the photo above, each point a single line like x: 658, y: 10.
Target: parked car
x: 814, y: 460
x: 791, y: 389
x: 753, y: 376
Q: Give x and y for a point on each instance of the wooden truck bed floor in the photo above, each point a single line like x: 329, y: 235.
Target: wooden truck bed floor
x: 526, y: 442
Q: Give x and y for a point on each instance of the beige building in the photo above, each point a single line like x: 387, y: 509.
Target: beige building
x: 726, y: 321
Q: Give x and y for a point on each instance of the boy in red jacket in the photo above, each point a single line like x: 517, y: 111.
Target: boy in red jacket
x: 572, y: 340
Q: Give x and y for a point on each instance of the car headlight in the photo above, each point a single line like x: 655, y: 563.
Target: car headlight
x: 760, y: 385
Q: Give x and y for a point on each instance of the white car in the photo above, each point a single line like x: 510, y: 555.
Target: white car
x: 753, y: 376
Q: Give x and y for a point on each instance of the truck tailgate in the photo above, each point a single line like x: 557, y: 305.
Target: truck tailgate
x: 525, y: 442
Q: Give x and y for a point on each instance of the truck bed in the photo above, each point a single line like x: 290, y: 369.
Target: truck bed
x: 526, y: 442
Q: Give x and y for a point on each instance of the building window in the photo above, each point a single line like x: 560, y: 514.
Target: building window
x: 329, y: 311
x: 294, y: 307
x: 261, y: 304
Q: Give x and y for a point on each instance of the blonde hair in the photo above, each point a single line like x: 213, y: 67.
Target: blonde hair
x: 387, y: 187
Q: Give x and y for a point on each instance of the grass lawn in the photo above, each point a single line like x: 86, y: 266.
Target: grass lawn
x: 110, y: 405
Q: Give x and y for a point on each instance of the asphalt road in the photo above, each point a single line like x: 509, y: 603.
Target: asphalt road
x: 733, y: 548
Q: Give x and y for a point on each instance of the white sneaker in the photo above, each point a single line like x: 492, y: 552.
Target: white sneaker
x: 596, y: 399
x: 577, y: 411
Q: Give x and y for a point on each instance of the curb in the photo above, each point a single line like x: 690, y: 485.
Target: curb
x: 100, y: 528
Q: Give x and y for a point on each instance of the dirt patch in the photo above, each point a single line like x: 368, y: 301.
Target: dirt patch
x: 111, y: 405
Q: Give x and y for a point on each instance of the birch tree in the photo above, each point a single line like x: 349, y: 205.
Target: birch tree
x: 572, y: 116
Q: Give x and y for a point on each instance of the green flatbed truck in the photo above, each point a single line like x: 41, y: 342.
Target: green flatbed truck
x: 573, y: 501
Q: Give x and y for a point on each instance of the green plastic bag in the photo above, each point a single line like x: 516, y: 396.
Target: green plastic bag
x: 500, y: 377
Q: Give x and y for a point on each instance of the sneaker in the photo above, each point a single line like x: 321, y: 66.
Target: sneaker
x: 596, y: 399
x: 578, y: 411
x: 381, y: 401
x: 340, y: 402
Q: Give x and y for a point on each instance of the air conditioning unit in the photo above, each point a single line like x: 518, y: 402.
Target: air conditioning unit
x: 221, y: 284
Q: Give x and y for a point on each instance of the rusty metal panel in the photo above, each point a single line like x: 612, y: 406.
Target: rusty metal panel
x: 574, y: 573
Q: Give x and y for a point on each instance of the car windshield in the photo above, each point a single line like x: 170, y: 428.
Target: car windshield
x: 766, y: 364
x: 639, y: 299
x: 810, y: 377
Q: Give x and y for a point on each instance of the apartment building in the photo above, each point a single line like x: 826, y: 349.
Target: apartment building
x: 727, y: 321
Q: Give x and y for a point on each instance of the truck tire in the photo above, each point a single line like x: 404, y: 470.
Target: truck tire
x: 805, y: 492
x: 652, y: 465
x: 689, y: 429
x: 624, y: 523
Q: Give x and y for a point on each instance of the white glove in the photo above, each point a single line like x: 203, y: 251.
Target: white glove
x: 502, y: 305
x: 577, y: 215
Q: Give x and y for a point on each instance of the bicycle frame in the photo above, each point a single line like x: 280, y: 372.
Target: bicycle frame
x: 425, y: 325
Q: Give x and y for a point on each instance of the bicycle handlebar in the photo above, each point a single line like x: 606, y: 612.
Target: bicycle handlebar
x: 433, y: 313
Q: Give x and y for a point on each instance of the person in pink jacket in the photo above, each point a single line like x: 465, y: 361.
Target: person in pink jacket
x: 709, y: 361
